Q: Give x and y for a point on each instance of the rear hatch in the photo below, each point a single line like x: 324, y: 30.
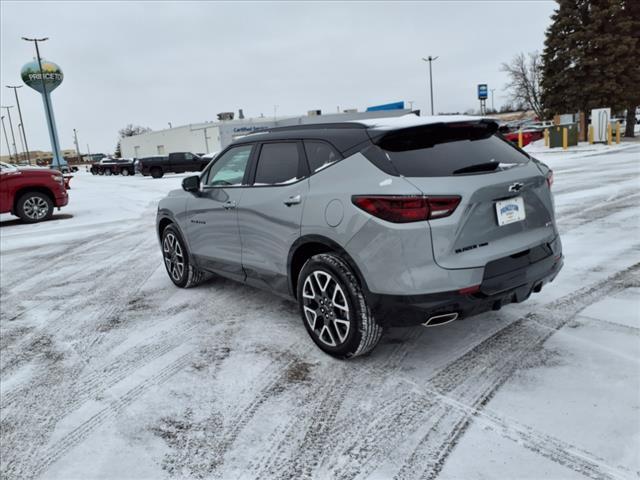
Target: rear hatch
x: 505, y: 204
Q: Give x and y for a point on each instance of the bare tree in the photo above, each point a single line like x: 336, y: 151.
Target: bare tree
x: 129, y: 131
x: 132, y: 130
x: 524, y: 81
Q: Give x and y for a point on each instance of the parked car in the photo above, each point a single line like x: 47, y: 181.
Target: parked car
x: 31, y: 193
x: 177, y: 162
x: 113, y: 166
x: 369, y: 224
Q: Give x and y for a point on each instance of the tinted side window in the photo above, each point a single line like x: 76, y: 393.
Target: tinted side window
x: 278, y: 164
x: 229, y: 168
x: 320, y: 155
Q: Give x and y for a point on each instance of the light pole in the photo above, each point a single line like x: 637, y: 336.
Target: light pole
x: 20, y: 137
x: 75, y: 140
x: 13, y: 137
x: 6, y: 138
x: 430, y: 59
x: 492, y: 95
x: 24, y: 134
x: 47, y: 105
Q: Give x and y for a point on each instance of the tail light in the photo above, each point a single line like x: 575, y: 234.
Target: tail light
x: 406, y: 209
x: 550, y: 178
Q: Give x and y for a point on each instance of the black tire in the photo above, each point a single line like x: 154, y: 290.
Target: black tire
x: 100, y: 172
x: 187, y: 277
x: 93, y: 172
x: 124, y: 172
x: 156, y: 172
x: 34, y: 207
x: 107, y: 172
x: 363, y: 332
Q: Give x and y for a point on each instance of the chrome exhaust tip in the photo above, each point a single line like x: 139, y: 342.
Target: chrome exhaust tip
x: 442, y: 319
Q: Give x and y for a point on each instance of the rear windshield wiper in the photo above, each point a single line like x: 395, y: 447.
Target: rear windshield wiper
x: 478, y: 167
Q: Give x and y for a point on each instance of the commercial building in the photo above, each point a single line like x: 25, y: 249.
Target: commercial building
x: 212, y: 137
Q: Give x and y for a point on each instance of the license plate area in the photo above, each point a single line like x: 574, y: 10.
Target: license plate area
x: 510, y: 211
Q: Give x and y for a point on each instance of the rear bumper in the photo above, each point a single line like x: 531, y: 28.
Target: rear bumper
x: 498, y: 288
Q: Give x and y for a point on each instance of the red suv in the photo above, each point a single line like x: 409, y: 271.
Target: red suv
x: 31, y: 193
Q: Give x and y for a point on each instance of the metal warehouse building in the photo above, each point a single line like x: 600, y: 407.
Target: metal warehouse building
x: 214, y: 136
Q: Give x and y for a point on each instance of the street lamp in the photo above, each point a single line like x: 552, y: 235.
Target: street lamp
x: 430, y: 59
x: 21, y: 126
x: 492, y: 96
x: 5, y: 137
x: 13, y: 137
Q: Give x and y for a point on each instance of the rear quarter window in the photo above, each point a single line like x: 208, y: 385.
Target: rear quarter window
x: 442, y: 150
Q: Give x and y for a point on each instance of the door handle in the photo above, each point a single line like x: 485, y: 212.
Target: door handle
x: 229, y: 205
x: 293, y: 200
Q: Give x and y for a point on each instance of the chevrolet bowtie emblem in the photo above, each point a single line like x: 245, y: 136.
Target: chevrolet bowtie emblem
x: 516, y: 187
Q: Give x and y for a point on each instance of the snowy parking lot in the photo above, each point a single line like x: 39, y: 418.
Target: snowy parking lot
x: 109, y: 371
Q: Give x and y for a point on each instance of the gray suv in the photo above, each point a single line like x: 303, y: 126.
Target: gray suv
x: 386, y: 222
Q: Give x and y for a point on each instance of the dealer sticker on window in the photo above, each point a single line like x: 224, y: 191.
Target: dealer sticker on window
x: 510, y: 211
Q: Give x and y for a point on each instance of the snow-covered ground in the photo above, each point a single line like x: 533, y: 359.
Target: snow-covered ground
x: 109, y: 371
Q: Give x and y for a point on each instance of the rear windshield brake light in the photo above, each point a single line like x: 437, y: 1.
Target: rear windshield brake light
x: 406, y: 208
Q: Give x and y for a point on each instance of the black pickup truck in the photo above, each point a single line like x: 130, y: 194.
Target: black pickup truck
x: 113, y: 166
x: 174, y: 163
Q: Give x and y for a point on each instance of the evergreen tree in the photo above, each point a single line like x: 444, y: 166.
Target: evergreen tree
x: 590, y: 59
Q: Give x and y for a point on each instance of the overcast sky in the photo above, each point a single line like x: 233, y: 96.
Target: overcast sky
x: 149, y: 63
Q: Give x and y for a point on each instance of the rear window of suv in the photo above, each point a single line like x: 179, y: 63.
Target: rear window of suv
x: 444, y: 149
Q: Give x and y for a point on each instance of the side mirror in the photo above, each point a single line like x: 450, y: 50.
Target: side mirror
x: 191, y: 184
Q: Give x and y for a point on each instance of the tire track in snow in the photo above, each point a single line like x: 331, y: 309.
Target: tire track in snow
x: 472, y: 379
x: 497, y: 358
x: 83, y: 430
x: 548, y: 446
x: 299, y: 456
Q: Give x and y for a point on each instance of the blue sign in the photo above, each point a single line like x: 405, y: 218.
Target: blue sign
x: 483, y: 91
x: 387, y: 106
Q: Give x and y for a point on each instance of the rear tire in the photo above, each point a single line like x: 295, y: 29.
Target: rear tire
x: 334, y: 309
x: 34, y: 207
x: 156, y: 172
x: 176, y: 260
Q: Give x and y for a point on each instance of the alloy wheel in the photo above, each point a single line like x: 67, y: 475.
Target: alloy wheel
x: 173, y: 256
x: 36, y: 208
x: 326, y: 309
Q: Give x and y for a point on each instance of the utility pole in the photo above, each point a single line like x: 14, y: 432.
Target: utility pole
x: 75, y: 140
x: 48, y: 110
x: 5, y: 137
x: 13, y: 137
x: 492, y: 95
x: 275, y: 109
x: 24, y: 134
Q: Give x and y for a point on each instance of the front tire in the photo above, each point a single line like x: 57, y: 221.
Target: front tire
x: 34, y: 207
x: 176, y: 260
x: 156, y: 172
x: 334, y: 309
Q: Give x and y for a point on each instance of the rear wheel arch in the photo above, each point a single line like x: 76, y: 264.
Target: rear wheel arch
x: 309, y: 245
